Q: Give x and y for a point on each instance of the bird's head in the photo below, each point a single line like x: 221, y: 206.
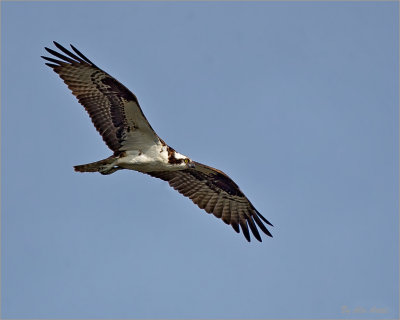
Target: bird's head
x: 180, y: 161
x: 189, y: 163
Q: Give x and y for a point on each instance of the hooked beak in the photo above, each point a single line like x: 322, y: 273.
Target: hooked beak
x: 191, y: 165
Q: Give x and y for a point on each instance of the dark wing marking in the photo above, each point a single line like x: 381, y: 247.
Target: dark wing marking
x: 216, y: 193
x: 114, y: 110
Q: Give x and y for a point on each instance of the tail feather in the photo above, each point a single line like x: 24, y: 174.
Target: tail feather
x: 98, y: 166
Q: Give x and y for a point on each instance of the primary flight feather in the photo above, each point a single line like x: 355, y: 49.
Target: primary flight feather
x: 117, y: 116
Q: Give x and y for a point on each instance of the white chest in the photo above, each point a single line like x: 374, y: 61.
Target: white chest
x: 154, y: 158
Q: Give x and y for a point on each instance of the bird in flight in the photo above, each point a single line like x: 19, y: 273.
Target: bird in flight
x: 117, y: 116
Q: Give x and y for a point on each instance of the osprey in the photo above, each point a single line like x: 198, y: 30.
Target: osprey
x: 117, y: 116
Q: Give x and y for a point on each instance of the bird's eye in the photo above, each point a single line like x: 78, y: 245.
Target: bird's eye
x: 186, y: 160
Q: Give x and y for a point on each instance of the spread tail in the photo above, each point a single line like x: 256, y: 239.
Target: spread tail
x: 104, y: 166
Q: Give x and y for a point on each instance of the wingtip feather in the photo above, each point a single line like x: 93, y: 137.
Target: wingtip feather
x: 263, y: 218
x: 82, y: 56
x: 254, y: 229
x: 245, y: 229
x: 51, y: 65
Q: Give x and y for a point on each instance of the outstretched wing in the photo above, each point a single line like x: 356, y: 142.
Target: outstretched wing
x: 114, y: 110
x: 216, y: 193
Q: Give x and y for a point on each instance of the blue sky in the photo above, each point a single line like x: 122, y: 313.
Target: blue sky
x: 296, y: 101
